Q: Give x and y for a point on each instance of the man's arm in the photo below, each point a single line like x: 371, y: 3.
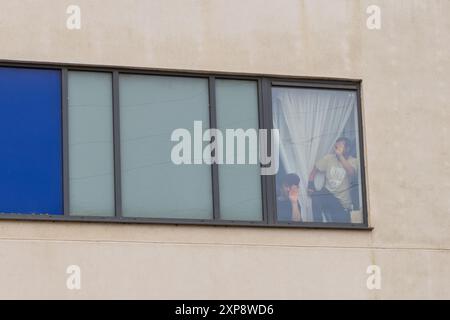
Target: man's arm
x: 339, y: 151
x: 312, y: 175
x: 346, y: 164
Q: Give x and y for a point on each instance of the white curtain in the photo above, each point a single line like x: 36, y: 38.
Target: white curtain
x: 310, y: 121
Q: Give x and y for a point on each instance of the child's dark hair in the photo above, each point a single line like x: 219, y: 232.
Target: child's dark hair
x: 291, y: 179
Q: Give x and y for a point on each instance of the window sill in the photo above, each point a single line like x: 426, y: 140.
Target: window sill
x: 128, y: 220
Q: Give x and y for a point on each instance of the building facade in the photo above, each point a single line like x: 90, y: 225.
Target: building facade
x: 90, y: 96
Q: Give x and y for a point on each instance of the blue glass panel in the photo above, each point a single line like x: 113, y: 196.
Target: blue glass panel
x: 30, y: 141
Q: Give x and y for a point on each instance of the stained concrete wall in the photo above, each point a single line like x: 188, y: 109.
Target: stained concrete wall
x: 405, y: 69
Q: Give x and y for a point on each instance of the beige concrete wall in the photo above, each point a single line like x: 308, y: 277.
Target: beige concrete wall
x: 405, y: 68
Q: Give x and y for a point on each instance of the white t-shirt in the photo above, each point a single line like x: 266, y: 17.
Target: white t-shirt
x: 336, y: 178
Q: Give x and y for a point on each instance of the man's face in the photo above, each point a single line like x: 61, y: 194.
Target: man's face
x: 340, y: 147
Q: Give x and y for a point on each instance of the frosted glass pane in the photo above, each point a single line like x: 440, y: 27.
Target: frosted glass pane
x: 91, y: 160
x: 151, y: 108
x: 239, y: 184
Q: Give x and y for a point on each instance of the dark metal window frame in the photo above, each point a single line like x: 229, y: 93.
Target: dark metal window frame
x: 268, y: 187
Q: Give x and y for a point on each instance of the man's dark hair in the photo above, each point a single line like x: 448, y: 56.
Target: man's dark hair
x: 291, y: 179
x: 348, y: 146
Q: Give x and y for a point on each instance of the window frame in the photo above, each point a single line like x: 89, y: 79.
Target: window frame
x: 320, y: 84
x: 268, y: 186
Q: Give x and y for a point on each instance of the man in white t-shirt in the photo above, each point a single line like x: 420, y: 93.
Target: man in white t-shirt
x: 334, y: 200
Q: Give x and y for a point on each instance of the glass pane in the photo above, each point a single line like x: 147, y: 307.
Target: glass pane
x: 91, y: 157
x: 30, y: 141
x: 239, y: 184
x: 319, y: 177
x: 151, y: 108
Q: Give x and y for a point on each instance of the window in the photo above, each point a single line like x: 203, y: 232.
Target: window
x: 98, y: 144
x: 239, y: 184
x: 319, y: 178
x: 91, y: 156
x: 151, y: 108
x: 30, y: 141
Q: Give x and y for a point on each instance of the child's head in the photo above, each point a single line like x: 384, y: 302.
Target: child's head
x: 290, y: 180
